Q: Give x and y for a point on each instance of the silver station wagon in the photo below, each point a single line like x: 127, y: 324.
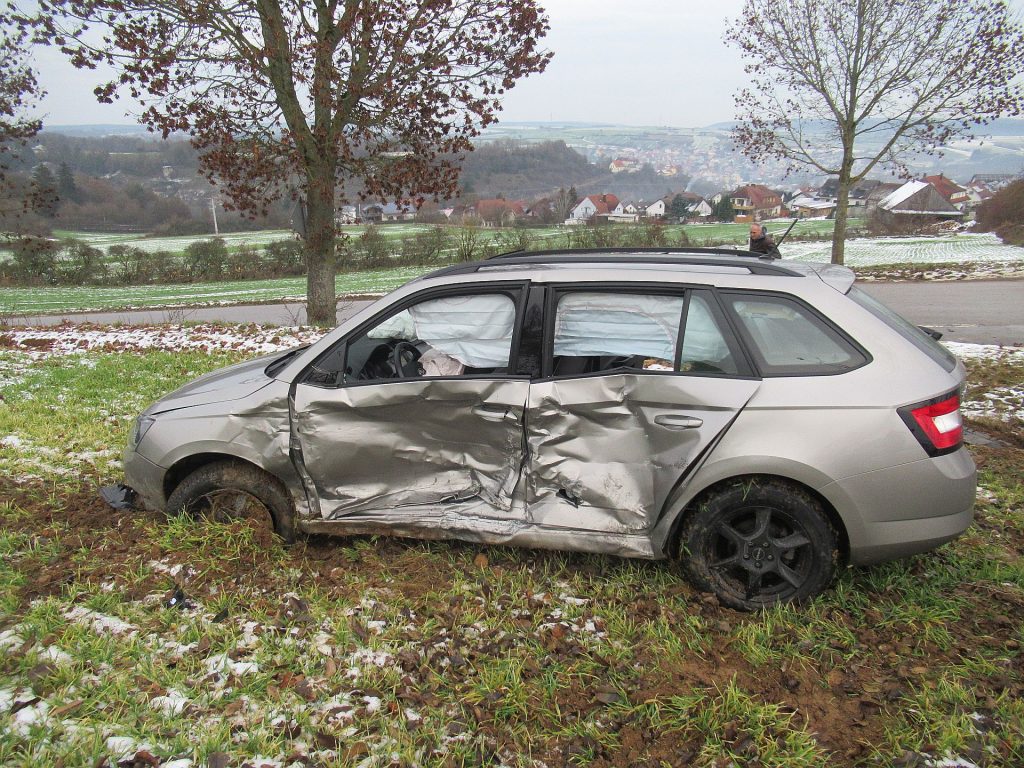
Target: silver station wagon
x: 764, y: 421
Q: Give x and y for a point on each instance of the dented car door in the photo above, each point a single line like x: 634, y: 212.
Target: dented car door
x: 419, y: 415
x: 637, y: 388
x: 412, y: 443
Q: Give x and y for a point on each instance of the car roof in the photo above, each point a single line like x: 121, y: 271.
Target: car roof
x: 668, y: 259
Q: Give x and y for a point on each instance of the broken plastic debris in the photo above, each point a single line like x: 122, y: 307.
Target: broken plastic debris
x: 118, y: 496
x: 176, y: 598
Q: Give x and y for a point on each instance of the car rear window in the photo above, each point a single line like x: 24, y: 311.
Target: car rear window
x: 905, y: 328
x: 788, y: 338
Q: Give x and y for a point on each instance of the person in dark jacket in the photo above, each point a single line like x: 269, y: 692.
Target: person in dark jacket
x: 761, y: 241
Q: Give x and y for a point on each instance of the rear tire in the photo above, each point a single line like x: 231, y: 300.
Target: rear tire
x: 233, y: 490
x: 759, y: 542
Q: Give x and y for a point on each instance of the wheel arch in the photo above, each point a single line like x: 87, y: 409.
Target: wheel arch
x: 189, y: 464
x: 686, y: 504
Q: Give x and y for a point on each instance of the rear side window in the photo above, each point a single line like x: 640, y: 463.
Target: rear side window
x: 606, y: 331
x: 905, y: 328
x: 603, y: 331
x: 789, y: 339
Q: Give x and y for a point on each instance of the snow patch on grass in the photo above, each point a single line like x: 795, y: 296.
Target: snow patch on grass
x: 73, y: 340
x: 1006, y: 403
x: 100, y: 623
x: 223, y: 664
x: 985, y: 352
x: 871, y: 251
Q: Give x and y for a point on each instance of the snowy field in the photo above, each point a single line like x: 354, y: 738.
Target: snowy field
x: 232, y: 240
x: 873, y: 251
x: 130, y: 640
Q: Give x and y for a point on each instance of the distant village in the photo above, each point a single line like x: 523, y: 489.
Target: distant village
x: 123, y: 183
x: 935, y: 198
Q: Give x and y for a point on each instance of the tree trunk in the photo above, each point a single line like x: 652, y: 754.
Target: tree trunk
x: 321, y: 298
x: 842, y: 208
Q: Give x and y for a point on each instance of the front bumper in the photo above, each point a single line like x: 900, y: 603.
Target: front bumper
x: 146, y: 478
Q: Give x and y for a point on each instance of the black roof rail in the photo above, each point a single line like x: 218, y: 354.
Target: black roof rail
x: 709, y: 257
x: 625, y: 251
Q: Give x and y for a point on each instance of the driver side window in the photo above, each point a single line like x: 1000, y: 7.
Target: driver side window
x: 442, y: 337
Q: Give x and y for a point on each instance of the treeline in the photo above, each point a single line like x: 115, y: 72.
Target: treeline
x: 42, y: 262
x: 136, y: 156
x: 522, y: 171
x: 1003, y: 213
x: 35, y: 204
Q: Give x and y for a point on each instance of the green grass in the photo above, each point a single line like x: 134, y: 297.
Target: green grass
x: 913, y: 258
x: 27, y: 302
x: 418, y: 652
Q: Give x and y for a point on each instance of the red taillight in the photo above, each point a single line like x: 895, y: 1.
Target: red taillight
x: 936, y: 424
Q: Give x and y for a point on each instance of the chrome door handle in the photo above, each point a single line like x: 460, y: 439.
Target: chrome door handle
x: 678, y: 421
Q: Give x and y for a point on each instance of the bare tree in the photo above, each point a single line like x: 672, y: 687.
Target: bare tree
x: 19, y: 91
x: 844, y: 85
x: 305, y: 96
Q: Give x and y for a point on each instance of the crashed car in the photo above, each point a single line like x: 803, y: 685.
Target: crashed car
x: 764, y: 421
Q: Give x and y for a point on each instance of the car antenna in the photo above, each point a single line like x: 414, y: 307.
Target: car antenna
x: 779, y: 241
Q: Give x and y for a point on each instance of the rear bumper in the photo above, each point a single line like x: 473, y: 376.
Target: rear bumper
x: 146, y: 479
x: 906, y: 509
x: 893, y: 540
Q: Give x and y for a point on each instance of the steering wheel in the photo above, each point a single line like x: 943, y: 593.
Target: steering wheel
x: 404, y: 359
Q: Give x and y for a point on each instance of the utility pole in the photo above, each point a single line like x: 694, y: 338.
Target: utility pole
x: 213, y: 210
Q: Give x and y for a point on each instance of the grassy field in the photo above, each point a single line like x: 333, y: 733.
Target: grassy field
x: 556, y: 236
x: 376, y: 651
x: 905, y: 258
x: 234, y: 240
x: 26, y: 302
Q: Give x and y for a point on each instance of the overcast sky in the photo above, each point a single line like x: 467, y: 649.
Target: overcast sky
x: 660, y: 62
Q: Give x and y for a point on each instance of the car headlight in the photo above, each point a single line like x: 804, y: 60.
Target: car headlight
x: 142, y: 425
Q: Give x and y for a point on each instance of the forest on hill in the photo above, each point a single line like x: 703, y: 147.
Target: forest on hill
x: 524, y: 171
x: 132, y: 182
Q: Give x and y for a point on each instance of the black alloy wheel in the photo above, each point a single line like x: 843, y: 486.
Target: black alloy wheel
x: 759, y: 542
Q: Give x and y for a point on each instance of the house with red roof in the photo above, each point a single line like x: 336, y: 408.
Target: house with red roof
x: 949, y: 189
x: 499, y: 212
x: 594, y: 205
x: 624, y: 165
x: 754, y: 202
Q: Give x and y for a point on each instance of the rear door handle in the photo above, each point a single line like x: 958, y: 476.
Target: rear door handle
x: 495, y: 413
x: 678, y: 421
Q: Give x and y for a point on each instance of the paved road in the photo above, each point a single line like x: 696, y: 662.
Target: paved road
x: 978, y: 311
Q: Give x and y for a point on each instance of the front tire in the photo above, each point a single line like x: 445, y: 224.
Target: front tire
x: 232, y: 490
x: 759, y: 542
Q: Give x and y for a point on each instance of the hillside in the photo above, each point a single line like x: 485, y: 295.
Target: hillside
x: 519, y: 170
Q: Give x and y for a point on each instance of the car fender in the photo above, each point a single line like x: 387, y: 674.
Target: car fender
x: 715, y: 471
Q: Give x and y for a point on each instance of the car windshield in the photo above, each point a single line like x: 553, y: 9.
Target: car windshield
x: 275, y: 367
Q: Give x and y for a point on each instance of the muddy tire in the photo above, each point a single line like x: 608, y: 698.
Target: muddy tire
x: 758, y: 543
x: 231, y: 490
